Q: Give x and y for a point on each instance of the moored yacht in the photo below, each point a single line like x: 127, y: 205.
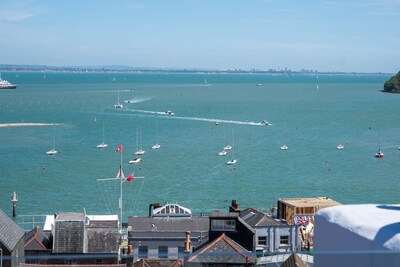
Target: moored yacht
x: 222, y: 153
x: 156, y: 146
x: 379, y: 154
x: 340, y: 147
x: 284, y: 147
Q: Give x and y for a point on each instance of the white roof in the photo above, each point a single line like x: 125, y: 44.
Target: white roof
x: 48, y: 223
x: 103, y: 217
x: 377, y: 223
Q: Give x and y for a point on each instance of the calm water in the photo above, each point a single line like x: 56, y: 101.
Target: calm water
x: 187, y: 170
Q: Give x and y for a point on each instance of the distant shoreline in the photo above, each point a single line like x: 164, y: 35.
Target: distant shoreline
x: 127, y: 69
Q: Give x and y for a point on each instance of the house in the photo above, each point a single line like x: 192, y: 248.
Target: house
x: 11, y: 242
x: 357, y: 235
x: 37, y: 246
x: 222, y: 251
x: 162, y: 234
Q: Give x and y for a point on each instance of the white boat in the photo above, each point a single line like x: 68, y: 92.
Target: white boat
x: 156, y: 146
x: 259, y: 84
x: 222, y: 153
x: 265, y: 122
x: 53, y: 151
x: 6, y: 84
x: 228, y: 147
x: 102, y: 145
x: 284, y: 147
x: 233, y: 160
x: 340, y: 147
x: 118, y: 105
x: 140, y: 151
x: 169, y: 112
x: 379, y: 154
x: 135, y: 160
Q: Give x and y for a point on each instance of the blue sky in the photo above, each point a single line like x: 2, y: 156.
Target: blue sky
x: 352, y: 35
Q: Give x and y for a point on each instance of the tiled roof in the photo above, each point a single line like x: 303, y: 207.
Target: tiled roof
x: 222, y: 250
x: 37, y: 240
x: 267, y: 220
x: 194, y: 224
x: 10, y: 232
x: 251, y: 216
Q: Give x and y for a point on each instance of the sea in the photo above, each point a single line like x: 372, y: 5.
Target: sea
x: 311, y: 113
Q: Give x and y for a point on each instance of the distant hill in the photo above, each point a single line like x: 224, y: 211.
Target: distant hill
x: 393, y: 84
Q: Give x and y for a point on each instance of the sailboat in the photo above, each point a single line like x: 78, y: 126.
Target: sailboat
x: 53, y: 151
x: 233, y: 160
x: 284, y: 147
x: 102, y: 145
x: 140, y: 151
x: 157, y: 145
x: 379, y: 154
x: 222, y: 153
x: 118, y: 105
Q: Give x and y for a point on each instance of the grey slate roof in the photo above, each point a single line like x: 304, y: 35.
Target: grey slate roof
x: 251, y: 216
x: 194, y: 224
x: 222, y: 250
x: 294, y: 261
x: 269, y: 221
x: 10, y: 232
x: 36, y: 239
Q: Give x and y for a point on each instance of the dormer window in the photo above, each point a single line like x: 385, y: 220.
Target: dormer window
x: 223, y: 225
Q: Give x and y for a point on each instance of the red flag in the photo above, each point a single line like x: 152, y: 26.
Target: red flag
x: 130, y: 178
x: 119, y: 148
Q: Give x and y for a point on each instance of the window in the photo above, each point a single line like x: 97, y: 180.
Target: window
x: 143, y: 252
x: 284, y: 240
x: 163, y: 252
x: 262, y: 240
x: 223, y: 225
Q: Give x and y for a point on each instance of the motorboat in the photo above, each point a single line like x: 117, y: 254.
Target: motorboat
x: 135, y: 160
x: 231, y: 162
x: 284, y: 147
x: 340, y: 147
x: 51, y: 152
x: 264, y: 122
x: 169, y: 112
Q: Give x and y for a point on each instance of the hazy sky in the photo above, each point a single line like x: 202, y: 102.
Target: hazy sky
x: 345, y: 35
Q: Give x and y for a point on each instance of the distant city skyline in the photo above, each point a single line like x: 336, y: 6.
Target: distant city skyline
x: 348, y: 36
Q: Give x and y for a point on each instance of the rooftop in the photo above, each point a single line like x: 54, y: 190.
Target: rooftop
x: 309, y: 202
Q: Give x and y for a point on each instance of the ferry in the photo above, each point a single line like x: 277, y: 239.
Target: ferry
x: 6, y: 84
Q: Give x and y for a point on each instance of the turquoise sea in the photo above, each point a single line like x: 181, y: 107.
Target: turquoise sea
x: 345, y: 109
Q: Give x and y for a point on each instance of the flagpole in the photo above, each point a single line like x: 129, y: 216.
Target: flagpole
x: 120, y: 200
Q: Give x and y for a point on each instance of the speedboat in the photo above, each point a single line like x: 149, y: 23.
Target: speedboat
x: 284, y: 147
x: 228, y: 147
x: 379, y: 154
x: 340, y: 147
x: 231, y: 162
x: 52, y: 152
x: 102, y: 145
x: 264, y: 122
x: 140, y: 152
x: 169, y: 112
x: 222, y: 153
x: 135, y: 160
x: 216, y: 123
x: 156, y: 146
x: 6, y: 84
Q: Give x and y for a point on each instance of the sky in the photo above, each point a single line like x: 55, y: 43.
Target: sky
x: 343, y: 35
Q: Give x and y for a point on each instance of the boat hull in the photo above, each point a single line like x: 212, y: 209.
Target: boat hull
x: 8, y: 86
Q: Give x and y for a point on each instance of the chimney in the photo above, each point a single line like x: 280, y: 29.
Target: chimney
x: 14, y: 200
x: 187, y: 248
x: 234, y: 206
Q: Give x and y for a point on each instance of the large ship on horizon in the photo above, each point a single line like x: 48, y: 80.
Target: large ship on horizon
x: 6, y: 84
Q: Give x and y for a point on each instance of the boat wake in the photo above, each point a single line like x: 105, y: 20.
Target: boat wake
x: 22, y: 124
x: 137, y: 100
x: 169, y: 115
